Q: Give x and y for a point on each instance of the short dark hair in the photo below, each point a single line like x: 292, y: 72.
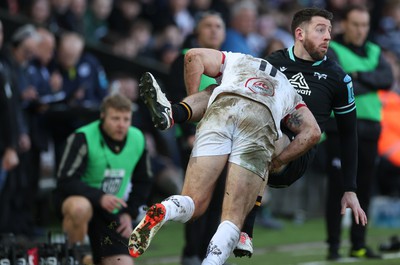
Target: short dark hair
x: 306, y: 14
x: 116, y: 101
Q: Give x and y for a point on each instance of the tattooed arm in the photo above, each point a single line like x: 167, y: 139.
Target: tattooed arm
x: 303, y: 124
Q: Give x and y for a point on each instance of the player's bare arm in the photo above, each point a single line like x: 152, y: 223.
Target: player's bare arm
x: 308, y: 133
x: 200, y: 61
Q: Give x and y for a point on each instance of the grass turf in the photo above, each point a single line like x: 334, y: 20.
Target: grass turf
x: 293, y: 245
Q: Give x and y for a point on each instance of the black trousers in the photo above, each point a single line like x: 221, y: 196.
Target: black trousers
x: 367, y: 165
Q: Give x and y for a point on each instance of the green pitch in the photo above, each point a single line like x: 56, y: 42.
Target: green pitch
x: 293, y: 245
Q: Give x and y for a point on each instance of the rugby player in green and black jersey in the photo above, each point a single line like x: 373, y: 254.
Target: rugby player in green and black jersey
x: 324, y: 86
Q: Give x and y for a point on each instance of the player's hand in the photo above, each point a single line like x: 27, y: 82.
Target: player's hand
x: 350, y: 200
x: 125, y: 228
x: 110, y: 202
x: 276, y: 165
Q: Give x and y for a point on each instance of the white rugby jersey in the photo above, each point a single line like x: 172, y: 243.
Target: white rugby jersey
x: 258, y: 80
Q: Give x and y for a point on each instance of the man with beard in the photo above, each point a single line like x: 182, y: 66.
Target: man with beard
x: 324, y: 86
x: 370, y: 72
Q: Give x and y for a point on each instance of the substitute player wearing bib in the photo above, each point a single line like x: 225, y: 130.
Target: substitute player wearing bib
x: 103, y: 179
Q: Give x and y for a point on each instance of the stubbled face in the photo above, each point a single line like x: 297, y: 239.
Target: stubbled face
x: 211, y: 32
x: 317, y: 35
x: 356, y: 27
x: 116, y: 123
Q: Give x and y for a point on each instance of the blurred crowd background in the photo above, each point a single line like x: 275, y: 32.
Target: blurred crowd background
x: 62, y: 57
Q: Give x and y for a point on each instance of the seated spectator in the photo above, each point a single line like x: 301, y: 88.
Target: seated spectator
x: 125, y: 47
x: 268, y: 30
x: 47, y: 89
x: 78, y: 10
x: 61, y: 16
x: 124, y: 13
x: 39, y: 12
x: 84, y: 83
x: 174, y: 12
x: 141, y: 34
x: 16, y: 212
x: 242, y: 24
x: 84, y: 80
x: 95, y: 21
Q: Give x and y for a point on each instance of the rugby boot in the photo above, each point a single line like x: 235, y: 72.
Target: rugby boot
x: 365, y: 253
x: 156, y: 101
x: 144, y: 232
x: 244, y: 247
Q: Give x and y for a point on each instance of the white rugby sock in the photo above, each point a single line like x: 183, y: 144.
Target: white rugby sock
x: 179, y: 208
x: 222, y: 244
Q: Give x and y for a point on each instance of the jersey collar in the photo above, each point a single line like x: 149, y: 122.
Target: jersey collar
x: 293, y: 57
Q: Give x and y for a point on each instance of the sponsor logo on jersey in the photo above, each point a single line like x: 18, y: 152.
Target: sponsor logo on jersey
x: 282, y: 68
x: 350, y: 90
x: 324, y: 76
x: 299, y: 83
x: 260, y: 86
x: 112, y: 180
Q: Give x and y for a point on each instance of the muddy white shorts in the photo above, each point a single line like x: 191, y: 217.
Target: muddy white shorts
x: 240, y: 127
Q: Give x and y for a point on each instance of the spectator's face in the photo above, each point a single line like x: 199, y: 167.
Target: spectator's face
x: 116, y: 123
x: 40, y: 11
x: 27, y: 50
x: 266, y: 26
x: 356, y: 27
x: 130, y: 9
x: 129, y: 87
x: 45, y: 49
x: 102, y: 8
x: 315, y: 37
x: 78, y: 7
x: 70, y: 52
x: 211, y: 32
x: 245, y: 21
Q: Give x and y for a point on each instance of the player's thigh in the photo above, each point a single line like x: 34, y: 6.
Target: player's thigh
x: 201, y: 175
x: 241, y: 190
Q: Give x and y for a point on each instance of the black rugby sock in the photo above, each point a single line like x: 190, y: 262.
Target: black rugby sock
x: 248, y: 225
x: 181, y: 112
